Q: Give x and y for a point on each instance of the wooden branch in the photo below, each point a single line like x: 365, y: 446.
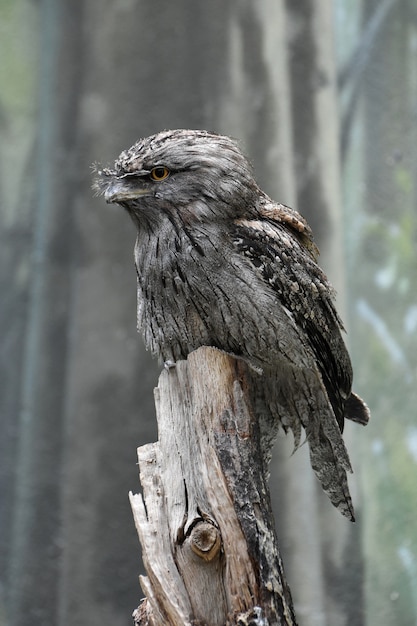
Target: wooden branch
x: 205, y: 521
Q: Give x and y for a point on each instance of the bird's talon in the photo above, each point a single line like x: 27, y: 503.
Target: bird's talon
x: 169, y: 364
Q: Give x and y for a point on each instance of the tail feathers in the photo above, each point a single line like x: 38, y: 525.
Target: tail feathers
x: 332, y: 475
x: 356, y: 410
x: 330, y: 459
x: 302, y: 402
x: 328, y: 455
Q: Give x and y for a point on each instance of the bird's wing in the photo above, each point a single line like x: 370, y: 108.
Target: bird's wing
x: 294, y: 222
x: 314, y: 397
x: 277, y: 248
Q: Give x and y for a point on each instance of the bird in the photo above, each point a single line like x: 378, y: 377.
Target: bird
x: 220, y: 264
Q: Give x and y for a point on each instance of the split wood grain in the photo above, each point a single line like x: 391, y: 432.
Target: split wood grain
x: 204, y: 521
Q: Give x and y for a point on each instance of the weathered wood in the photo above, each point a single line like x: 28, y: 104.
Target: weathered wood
x: 204, y: 521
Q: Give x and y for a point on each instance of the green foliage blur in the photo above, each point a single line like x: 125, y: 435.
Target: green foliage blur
x: 380, y: 189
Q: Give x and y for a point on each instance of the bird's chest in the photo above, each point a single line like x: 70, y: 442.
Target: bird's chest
x: 184, y: 296
x: 201, y: 291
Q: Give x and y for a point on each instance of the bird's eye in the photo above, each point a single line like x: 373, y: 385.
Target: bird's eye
x: 159, y: 173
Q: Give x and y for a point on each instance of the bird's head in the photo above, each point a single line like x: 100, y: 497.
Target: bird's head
x: 202, y: 175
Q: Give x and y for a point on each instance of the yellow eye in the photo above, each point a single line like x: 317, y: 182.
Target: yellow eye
x: 159, y: 173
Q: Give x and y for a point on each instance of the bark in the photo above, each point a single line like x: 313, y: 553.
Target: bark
x: 205, y: 520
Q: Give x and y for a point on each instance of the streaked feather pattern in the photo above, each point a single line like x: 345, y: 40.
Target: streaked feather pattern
x: 220, y: 264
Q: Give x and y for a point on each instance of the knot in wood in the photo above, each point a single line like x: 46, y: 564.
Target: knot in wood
x: 205, y: 540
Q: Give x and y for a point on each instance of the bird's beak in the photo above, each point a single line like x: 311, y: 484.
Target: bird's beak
x: 120, y: 191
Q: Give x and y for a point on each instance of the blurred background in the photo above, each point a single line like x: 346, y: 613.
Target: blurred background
x: 323, y: 96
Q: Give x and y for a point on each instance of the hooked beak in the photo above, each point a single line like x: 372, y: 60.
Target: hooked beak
x: 121, y: 191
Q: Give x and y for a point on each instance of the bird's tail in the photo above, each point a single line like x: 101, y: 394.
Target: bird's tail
x: 308, y: 405
x: 331, y: 470
x: 300, y: 401
x: 329, y: 457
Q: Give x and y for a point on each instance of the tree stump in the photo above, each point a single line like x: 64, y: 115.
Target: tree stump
x: 205, y: 521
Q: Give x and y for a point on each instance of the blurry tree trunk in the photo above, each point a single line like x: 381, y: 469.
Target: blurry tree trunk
x: 33, y: 568
x: 205, y: 520
x: 312, y: 66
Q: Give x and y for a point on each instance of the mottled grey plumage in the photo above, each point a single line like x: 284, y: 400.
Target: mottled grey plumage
x: 220, y: 264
